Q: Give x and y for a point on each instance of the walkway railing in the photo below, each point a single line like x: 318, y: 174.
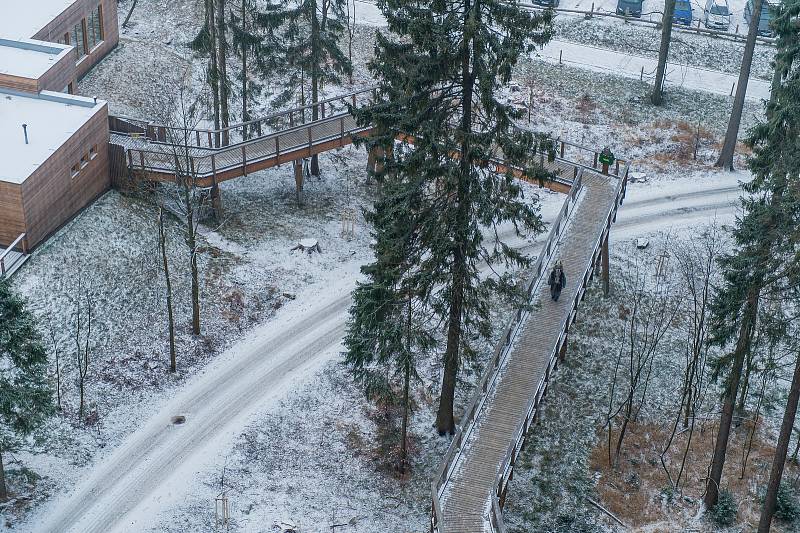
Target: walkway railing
x: 9, y: 258
x: 515, y: 447
x: 243, y: 132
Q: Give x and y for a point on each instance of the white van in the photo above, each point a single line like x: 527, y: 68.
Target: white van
x: 717, y: 14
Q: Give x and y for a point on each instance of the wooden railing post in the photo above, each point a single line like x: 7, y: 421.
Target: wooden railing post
x: 604, y: 253
x: 244, y: 160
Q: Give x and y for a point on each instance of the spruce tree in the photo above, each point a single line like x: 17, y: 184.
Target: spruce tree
x: 25, y: 396
x: 387, y: 333
x: 246, y: 42
x: 303, y: 49
x: 776, y: 145
x: 439, y: 73
x: 765, y: 244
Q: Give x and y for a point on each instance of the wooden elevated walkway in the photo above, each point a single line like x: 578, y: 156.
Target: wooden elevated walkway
x: 469, y: 488
x: 156, y: 153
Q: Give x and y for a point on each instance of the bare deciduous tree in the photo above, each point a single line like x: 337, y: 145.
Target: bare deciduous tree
x: 652, y: 304
x: 83, y: 320
x: 697, y: 268
x: 162, y: 244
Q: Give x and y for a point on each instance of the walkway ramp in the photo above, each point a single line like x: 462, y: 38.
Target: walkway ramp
x: 470, y: 491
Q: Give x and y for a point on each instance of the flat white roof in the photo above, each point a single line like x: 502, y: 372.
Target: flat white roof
x: 30, y: 59
x: 52, y: 118
x: 22, y: 20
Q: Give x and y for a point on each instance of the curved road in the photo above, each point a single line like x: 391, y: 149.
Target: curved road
x: 218, y: 402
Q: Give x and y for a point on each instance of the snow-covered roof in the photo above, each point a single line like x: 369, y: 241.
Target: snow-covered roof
x: 25, y: 19
x: 52, y: 118
x: 30, y: 59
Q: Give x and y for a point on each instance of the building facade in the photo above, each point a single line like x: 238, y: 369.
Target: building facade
x: 53, y: 145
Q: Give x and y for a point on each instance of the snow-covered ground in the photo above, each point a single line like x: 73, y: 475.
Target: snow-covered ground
x: 307, y: 450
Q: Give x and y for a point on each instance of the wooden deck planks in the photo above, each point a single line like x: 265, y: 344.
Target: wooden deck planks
x: 474, y: 476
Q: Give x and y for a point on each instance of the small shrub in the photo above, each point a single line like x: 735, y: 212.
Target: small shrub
x: 787, y: 507
x: 724, y: 512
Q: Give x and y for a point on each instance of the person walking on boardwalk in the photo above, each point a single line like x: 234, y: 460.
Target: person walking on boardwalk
x: 557, y: 281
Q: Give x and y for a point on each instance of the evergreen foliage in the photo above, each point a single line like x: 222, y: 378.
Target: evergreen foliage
x: 440, y: 71
x: 301, y: 45
x: 787, y: 506
x: 246, y: 42
x: 724, y: 512
x: 25, y: 396
x: 765, y: 254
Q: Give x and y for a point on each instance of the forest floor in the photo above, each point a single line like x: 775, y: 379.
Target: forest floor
x: 566, y: 458
x: 315, y: 456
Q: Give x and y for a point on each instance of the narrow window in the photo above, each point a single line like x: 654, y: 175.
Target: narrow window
x: 79, y: 39
x: 74, y: 171
x: 96, y: 27
x: 84, y: 161
x: 93, y: 152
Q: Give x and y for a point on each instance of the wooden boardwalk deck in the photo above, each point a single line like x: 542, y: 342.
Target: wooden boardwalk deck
x: 469, y: 490
x: 467, y: 495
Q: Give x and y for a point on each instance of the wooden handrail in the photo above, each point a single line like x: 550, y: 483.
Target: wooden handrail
x: 278, y: 114
x: 7, y: 251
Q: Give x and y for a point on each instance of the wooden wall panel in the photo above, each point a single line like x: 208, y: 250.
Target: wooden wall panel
x: 16, y: 83
x: 59, y: 76
x: 51, y: 197
x: 12, y: 220
x: 64, y: 23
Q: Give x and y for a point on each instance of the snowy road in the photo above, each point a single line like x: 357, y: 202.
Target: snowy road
x: 608, y: 61
x: 155, y: 466
x: 216, y: 405
x: 631, y: 66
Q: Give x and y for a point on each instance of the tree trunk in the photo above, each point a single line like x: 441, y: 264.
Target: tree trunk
x: 162, y: 240
x: 130, y: 12
x: 315, y: 77
x: 222, y: 63
x: 780, y: 452
x: 663, y: 52
x: 404, y: 429
x: 741, y: 404
x: 245, y: 112
x: 3, y: 489
x: 406, y: 386
x: 445, y: 422
x: 214, y: 74
x: 729, y: 147
x: 191, y: 242
x: 731, y: 389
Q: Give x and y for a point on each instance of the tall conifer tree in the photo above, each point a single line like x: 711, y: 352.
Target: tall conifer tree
x: 439, y: 71
x: 25, y: 396
x: 776, y: 144
x: 303, y: 46
x: 765, y: 236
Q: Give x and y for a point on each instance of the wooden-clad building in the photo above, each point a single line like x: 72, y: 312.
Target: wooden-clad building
x: 53, y: 145
x: 54, y: 166
x: 89, y: 26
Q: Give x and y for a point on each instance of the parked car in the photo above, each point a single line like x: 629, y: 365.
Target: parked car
x: 717, y: 15
x: 767, y: 12
x: 683, y: 12
x: 631, y: 8
x: 546, y: 3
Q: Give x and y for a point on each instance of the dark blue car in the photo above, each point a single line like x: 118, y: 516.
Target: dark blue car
x: 683, y: 12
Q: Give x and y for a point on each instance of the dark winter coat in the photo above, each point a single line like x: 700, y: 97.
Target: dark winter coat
x: 557, y: 282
